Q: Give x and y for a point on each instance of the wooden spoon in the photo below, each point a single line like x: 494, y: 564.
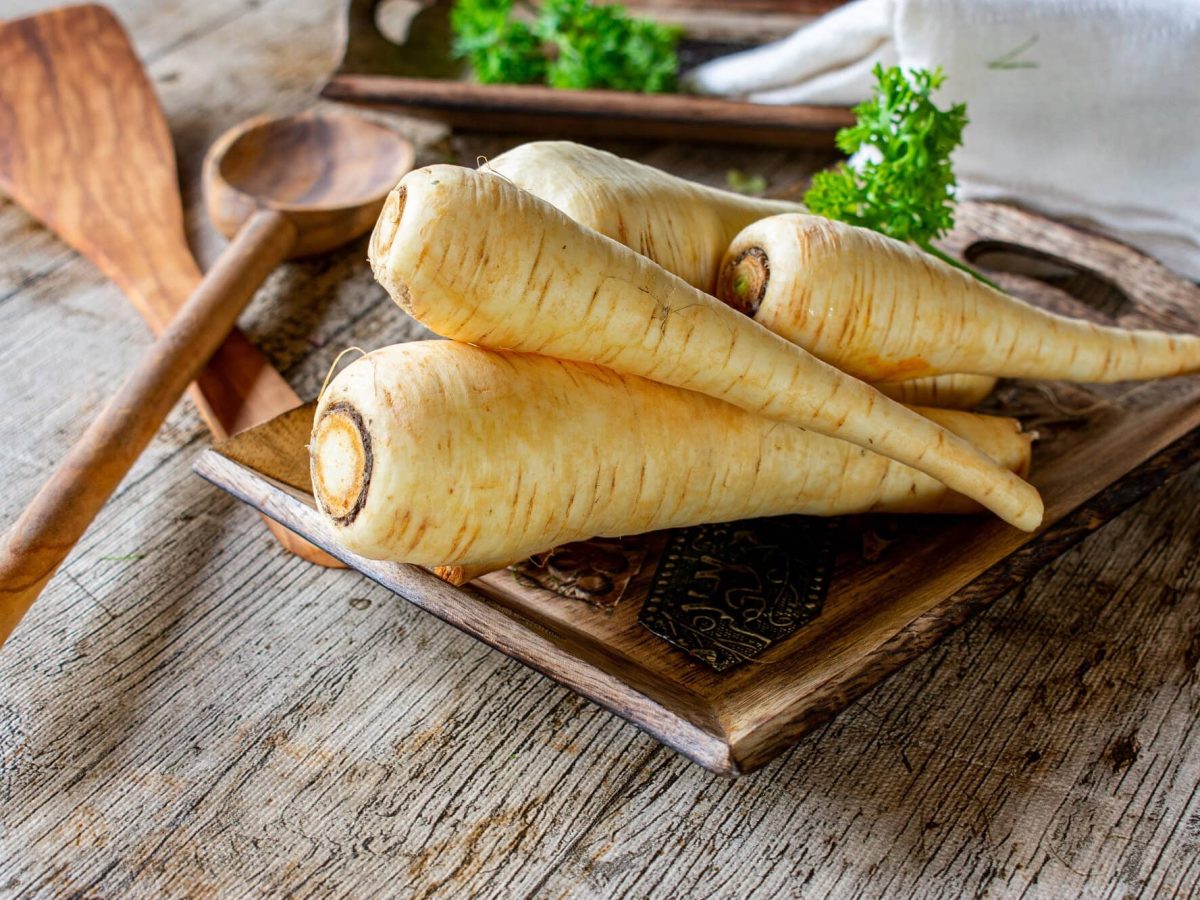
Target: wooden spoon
x: 91, y: 156
x: 293, y: 186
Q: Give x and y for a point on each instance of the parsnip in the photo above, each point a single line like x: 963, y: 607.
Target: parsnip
x: 885, y: 311
x: 440, y: 453
x: 683, y: 226
x: 942, y: 391
x: 478, y: 260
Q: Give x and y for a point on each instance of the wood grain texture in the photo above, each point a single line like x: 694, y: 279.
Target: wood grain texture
x: 598, y: 114
x: 730, y: 723
x: 189, y: 712
x: 327, y: 173
x: 61, y: 511
x: 93, y: 159
x: 417, y: 77
x: 289, y: 186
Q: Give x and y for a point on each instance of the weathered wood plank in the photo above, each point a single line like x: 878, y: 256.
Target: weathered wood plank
x: 33, y: 251
x: 147, y: 740
x: 214, y: 718
x: 128, y: 636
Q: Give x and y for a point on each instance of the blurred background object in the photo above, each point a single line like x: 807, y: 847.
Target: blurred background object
x: 1084, y: 111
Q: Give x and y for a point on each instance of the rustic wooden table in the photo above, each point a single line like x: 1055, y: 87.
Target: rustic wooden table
x: 188, y: 711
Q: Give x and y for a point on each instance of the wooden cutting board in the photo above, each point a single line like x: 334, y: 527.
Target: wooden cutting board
x: 896, y: 587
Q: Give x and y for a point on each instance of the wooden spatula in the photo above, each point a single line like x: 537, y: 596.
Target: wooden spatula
x: 85, y: 148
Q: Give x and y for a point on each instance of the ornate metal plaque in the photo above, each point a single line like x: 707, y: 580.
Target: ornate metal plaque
x: 726, y: 592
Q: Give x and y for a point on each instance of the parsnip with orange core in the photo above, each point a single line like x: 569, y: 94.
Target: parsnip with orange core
x: 683, y: 226
x: 479, y: 260
x: 445, y: 454
x: 886, y: 311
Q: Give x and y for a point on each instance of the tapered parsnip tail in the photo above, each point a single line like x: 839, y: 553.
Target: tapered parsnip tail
x: 479, y: 260
x: 460, y: 575
x: 941, y: 391
x: 445, y: 454
x: 887, y: 311
x: 683, y: 226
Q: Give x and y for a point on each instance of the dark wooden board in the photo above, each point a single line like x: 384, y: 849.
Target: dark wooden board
x: 419, y: 77
x: 1101, y: 449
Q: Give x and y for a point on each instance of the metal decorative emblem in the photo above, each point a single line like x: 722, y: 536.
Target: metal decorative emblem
x: 724, y: 593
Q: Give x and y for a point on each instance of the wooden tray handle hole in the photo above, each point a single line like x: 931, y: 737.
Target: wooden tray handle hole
x: 1098, y: 292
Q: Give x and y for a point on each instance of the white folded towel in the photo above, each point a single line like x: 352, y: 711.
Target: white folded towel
x: 1086, y: 110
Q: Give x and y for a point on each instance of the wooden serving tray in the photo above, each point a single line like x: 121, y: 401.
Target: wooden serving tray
x: 894, y: 590
x: 417, y: 74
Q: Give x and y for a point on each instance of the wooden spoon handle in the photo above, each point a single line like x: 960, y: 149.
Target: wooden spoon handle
x: 237, y: 389
x: 64, y: 508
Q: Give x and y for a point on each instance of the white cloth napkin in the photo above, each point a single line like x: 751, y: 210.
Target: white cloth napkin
x: 1087, y: 110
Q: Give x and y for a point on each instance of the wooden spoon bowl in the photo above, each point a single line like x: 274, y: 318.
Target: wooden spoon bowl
x: 328, y: 173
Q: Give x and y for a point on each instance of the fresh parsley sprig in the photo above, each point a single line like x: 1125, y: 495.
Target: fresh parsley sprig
x: 901, y: 182
x: 499, y: 49
x: 589, y: 46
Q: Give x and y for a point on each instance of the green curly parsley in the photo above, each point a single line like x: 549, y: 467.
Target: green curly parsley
x: 588, y: 46
x: 904, y: 185
x: 499, y: 50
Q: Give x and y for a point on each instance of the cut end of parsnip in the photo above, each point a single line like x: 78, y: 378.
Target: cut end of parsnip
x: 743, y: 280
x: 341, y: 463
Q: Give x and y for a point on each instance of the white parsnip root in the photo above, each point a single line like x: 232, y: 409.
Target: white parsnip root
x: 444, y: 454
x: 683, y: 226
x: 478, y: 260
x: 942, y: 391
x: 886, y: 311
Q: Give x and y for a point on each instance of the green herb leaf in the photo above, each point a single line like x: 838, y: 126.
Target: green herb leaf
x: 904, y: 186
x: 499, y: 50
x: 590, y: 46
x: 902, y: 183
x: 602, y: 47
